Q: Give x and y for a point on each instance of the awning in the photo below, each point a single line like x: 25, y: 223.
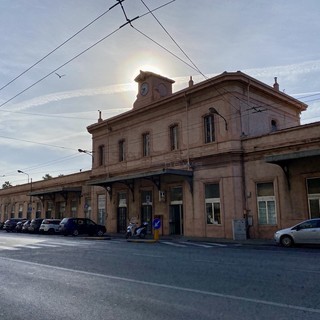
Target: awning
x: 51, y: 193
x: 277, y: 159
x: 143, y: 175
x: 154, y: 176
x: 284, y: 160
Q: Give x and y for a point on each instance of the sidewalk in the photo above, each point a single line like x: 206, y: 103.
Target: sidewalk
x: 149, y: 239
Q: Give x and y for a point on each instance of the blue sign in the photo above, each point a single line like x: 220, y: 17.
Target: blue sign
x: 156, y: 223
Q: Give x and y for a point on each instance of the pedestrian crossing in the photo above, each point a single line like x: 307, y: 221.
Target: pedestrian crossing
x: 184, y: 244
x: 10, y: 246
x: 60, y: 243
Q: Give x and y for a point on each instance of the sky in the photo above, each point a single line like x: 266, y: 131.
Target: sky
x: 98, y: 47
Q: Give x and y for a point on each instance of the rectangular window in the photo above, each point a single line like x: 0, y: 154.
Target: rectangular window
x: 87, y: 208
x: 209, y: 129
x: 313, y: 186
x: 74, y: 208
x: 122, y: 151
x: 101, y: 154
x: 174, y: 138
x: 20, y: 214
x: 212, y: 202
x: 266, y: 204
x: 146, y: 144
x: 101, y: 209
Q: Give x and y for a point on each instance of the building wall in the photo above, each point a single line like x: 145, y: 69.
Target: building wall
x: 254, y: 122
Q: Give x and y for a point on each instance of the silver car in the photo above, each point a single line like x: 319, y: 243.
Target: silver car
x: 305, y: 232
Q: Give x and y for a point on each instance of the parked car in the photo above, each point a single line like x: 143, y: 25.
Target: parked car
x: 50, y: 226
x: 306, y: 232
x: 76, y: 226
x: 35, y: 225
x: 1, y: 225
x: 25, y: 226
x: 19, y: 225
x: 10, y: 224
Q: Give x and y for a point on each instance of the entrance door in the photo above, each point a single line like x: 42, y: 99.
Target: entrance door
x: 176, y: 219
x: 146, y: 216
x: 122, y: 220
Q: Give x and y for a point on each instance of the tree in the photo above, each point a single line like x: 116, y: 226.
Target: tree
x: 47, y: 177
x: 6, y: 185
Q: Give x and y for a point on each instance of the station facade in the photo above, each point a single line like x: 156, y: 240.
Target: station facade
x: 223, y: 158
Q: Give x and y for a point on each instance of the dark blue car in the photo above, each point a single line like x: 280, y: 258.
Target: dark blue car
x: 76, y: 226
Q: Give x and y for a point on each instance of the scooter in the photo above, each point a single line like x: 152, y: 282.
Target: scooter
x: 134, y: 231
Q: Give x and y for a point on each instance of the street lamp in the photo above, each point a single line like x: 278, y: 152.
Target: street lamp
x: 215, y: 111
x: 86, y: 152
x: 29, y: 212
x: 24, y: 173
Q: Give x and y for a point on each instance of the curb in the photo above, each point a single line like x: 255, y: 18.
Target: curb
x: 97, y: 238
x: 142, y: 240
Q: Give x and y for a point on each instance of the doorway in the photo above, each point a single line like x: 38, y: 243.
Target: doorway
x: 122, y: 220
x: 176, y: 219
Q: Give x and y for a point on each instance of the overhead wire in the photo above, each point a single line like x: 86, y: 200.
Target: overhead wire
x: 75, y: 57
x: 175, y: 42
x: 58, y: 47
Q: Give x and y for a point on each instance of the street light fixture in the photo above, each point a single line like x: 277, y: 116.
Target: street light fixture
x: 86, y: 152
x: 24, y: 173
x: 215, y: 111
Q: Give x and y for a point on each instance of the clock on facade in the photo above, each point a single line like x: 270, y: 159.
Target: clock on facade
x: 144, y: 88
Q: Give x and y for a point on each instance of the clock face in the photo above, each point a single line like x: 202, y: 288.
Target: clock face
x: 144, y: 88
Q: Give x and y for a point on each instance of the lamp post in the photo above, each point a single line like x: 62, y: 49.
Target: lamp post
x: 215, y: 111
x: 24, y: 173
x: 29, y: 211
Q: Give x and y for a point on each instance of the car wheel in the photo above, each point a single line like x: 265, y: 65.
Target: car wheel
x: 286, y: 241
x: 100, y: 233
x: 50, y: 231
x: 75, y: 233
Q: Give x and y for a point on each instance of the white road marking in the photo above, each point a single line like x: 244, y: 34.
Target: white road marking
x: 197, y: 244
x: 173, y: 244
x: 8, y: 248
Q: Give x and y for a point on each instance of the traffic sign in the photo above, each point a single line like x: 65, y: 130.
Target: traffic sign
x: 156, y: 223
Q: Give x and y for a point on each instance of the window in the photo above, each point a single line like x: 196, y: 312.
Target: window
x: 313, y: 186
x: 20, y: 213
x: 266, y: 204
x: 122, y: 151
x: 273, y: 125
x: 146, y: 144
x: 101, y: 209
x: 87, y: 208
x: 174, y: 137
x: 212, y: 202
x: 74, y: 208
x: 209, y: 129
x: 101, y: 155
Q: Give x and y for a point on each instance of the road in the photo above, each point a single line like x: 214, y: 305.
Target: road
x: 54, y: 277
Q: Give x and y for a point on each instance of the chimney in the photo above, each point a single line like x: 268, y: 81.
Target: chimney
x: 100, y: 118
x: 276, y: 84
x: 190, y: 82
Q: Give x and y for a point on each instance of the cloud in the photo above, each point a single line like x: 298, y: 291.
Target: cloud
x: 64, y: 95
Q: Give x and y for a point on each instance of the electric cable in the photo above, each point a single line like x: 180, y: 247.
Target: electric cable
x: 58, y: 47
x: 174, y: 41
x: 75, y: 57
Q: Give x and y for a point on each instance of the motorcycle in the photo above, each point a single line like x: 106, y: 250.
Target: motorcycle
x: 134, y: 231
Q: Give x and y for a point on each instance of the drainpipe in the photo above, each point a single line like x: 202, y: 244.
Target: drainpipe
x: 187, y: 121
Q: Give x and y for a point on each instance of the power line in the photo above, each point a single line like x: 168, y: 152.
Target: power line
x: 75, y: 57
x: 175, y: 42
x: 58, y: 47
x: 39, y: 143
